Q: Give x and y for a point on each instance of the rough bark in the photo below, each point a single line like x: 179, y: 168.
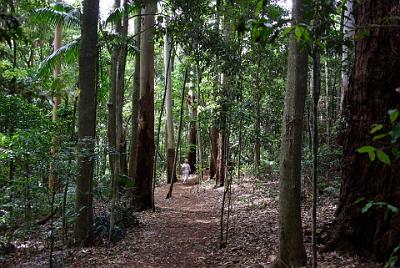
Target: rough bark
x: 372, y: 92
x: 291, y: 247
x: 87, y: 122
x: 145, y: 147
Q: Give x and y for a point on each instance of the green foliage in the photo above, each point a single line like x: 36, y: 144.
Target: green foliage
x: 394, y: 133
x: 60, y: 14
x: 394, y: 257
x: 67, y: 54
x: 10, y: 28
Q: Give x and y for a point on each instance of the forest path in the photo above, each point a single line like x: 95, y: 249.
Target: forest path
x: 181, y: 233
x: 184, y: 232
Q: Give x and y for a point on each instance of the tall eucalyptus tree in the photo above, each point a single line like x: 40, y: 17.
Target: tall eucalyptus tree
x: 145, y: 142
x: 87, y: 122
x: 291, y: 248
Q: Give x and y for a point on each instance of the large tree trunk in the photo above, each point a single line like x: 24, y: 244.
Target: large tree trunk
x: 87, y: 121
x: 168, y: 107
x: 372, y: 92
x: 145, y: 150
x: 291, y: 247
x: 135, y: 103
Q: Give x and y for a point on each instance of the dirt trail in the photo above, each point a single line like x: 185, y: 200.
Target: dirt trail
x: 181, y: 233
x: 184, y: 232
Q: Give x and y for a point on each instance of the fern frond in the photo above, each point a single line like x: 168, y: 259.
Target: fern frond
x: 54, y: 17
x: 67, y: 54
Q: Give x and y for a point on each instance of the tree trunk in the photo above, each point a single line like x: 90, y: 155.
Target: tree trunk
x: 176, y: 160
x: 327, y: 106
x: 347, y: 52
x: 316, y: 88
x: 213, y: 150
x: 135, y: 103
x: 112, y: 110
x: 197, y: 103
x: 192, y: 141
x: 257, y: 133
x: 53, y: 176
x: 145, y: 150
x: 168, y: 106
x: 291, y: 247
x: 372, y: 92
x: 257, y: 124
x: 123, y: 33
x: 223, y: 111
x: 213, y: 129
x: 87, y: 122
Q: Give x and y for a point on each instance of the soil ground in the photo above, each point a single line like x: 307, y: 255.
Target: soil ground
x: 185, y: 232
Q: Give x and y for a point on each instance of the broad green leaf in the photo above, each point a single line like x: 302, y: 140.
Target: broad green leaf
x: 359, y: 200
x: 259, y: 6
x: 366, y: 149
x: 371, y: 156
x: 383, y: 157
x: 376, y: 128
x: 393, y: 114
x: 380, y: 136
x: 287, y: 30
x: 393, y: 208
x: 367, y: 207
x: 395, y: 133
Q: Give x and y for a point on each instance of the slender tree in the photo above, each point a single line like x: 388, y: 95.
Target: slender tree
x: 316, y: 88
x: 53, y: 177
x: 87, y: 121
x: 291, y: 247
x: 192, y: 139
x: 347, y: 52
x: 220, y: 180
x: 169, y: 104
x: 214, y: 129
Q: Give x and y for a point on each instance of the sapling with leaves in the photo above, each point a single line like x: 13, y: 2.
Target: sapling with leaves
x: 385, y: 153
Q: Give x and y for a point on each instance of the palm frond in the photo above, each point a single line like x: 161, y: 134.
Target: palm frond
x: 51, y: 16
x: 118, y: 13
x: 66, y: 54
